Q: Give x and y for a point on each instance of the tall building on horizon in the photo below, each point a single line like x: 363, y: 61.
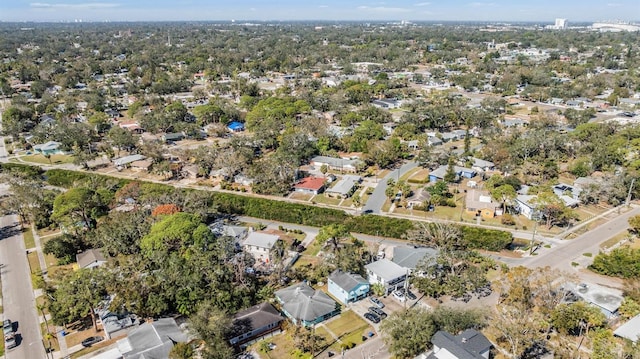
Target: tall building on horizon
x: 561, y: 24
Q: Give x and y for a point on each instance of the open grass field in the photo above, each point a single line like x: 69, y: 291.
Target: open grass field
x: 54, y: 159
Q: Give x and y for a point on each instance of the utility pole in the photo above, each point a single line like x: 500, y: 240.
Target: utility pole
x: 533, y: 236
x: 628, y: 201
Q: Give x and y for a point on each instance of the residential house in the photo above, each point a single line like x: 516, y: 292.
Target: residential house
x: 90, y: 258
x: 173, y: 137
x: 115, y: 324
x: 141, y: 165
x: 608, y: 300
x: 526, y: 206
x: 152, y: 340
x: 310, y: 185
x: 418, y: 198
x: 259, y: 245
x: 514, y: 123
x: 563, y: 189
x: 470, y: 344
x: 386, y: 104
x: 48, y: 148
x: 387, y: 273
x: 629, y: 330
x: 479, y: 203
x: 409, y: 257
x: 345, y: 187
x: 337, y: 164
x: 127, y: 160
x: 481, y: 165
x: 434, y: 141
x: 255, y: 323
x: 306, y: 306
x: 389, y: 127
x: 236, y: 126
x: 439, y: 173
x: 347, y: 287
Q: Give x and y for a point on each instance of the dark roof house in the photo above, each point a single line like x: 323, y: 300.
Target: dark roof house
x: 255, y: 322
x: 470, y: 344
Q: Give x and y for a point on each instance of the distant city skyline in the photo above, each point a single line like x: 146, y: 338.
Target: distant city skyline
x: 417, y: 10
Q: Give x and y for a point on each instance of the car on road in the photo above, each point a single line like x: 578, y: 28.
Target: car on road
x: 377, y: 311
x: 91, y: 341
x: 7, y: 327
x: 399, y: 295
x: 10, y: 341
x: 377, y: 302
x: 372, y: 317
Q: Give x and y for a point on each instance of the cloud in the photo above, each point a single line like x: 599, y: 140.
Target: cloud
x: 91, y: 5
x: 383, y: 9
x: 422, y: 4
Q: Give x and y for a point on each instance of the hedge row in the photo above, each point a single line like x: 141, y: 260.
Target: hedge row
x: 488, y: 239
x: 229, y: 203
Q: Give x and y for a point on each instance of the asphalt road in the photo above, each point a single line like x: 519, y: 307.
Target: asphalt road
x: 17, y: 294
x: 378, y: 197
x: 563, y: 254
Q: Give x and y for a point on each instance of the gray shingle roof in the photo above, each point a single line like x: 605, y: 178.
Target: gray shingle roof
x: 467, y: 345
x: 255, y: 317
x: 346, y: 281
x: 89, y: 257
x: 262, y: 240
x: 630, y: 330
x: 303, y: 302
x: 409, y: 257
x: 154, y: 340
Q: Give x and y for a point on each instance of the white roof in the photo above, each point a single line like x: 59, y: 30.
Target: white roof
x: 630, y: 330
x: 262, y: 240
x: 128, y: 159
x: 386, y: 269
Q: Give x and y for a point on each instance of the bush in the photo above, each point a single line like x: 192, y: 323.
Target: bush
x: 507, y: 220
x: 588, y: 254
x: 623, y: 262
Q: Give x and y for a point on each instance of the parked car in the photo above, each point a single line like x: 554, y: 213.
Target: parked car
x: 399, y: 295
x: 10, y: 341
x: 372, y: 317
x: 377, y: 311
x: 91, y: 341
x: 7, y: 327
x: 377, y: 302
x: 410, y: 295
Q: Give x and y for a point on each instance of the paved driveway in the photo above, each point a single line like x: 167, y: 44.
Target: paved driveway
x: 378, y: 197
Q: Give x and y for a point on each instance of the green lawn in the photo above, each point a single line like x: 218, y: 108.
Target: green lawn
x: 349, y: 327
x: 54, y: 159
x: 34, y: 263
x: 326, y: 200
x: 29, y: 242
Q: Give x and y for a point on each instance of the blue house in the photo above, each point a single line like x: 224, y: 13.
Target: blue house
x: 49, y: 148
x: 236, y: 126
x: 440, y: 172
x: 347, y: 287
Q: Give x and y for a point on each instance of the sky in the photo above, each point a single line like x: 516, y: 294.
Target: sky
x: 417, y: 10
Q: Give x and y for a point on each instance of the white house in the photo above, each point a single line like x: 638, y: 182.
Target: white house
x: 259, y: 245
x: 387, y: 273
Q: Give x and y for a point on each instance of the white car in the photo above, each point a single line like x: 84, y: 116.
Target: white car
x: 399, y: 295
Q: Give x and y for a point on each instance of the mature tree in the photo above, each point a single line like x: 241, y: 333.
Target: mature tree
x: 553, y: 209
x: 78, y: 205
x: 101, y: 122
x: 177, y: 232
x: 64, y: 248
x: 121, y: 232
x: 451, y: 176
x: 504, y: 193
x: 572, y: 318
x: 122, y: 139
x: 77, y: 295
x: 516, y: 329
x: 408, y: 332
x: 181, y: 351
x: 212, y: 326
